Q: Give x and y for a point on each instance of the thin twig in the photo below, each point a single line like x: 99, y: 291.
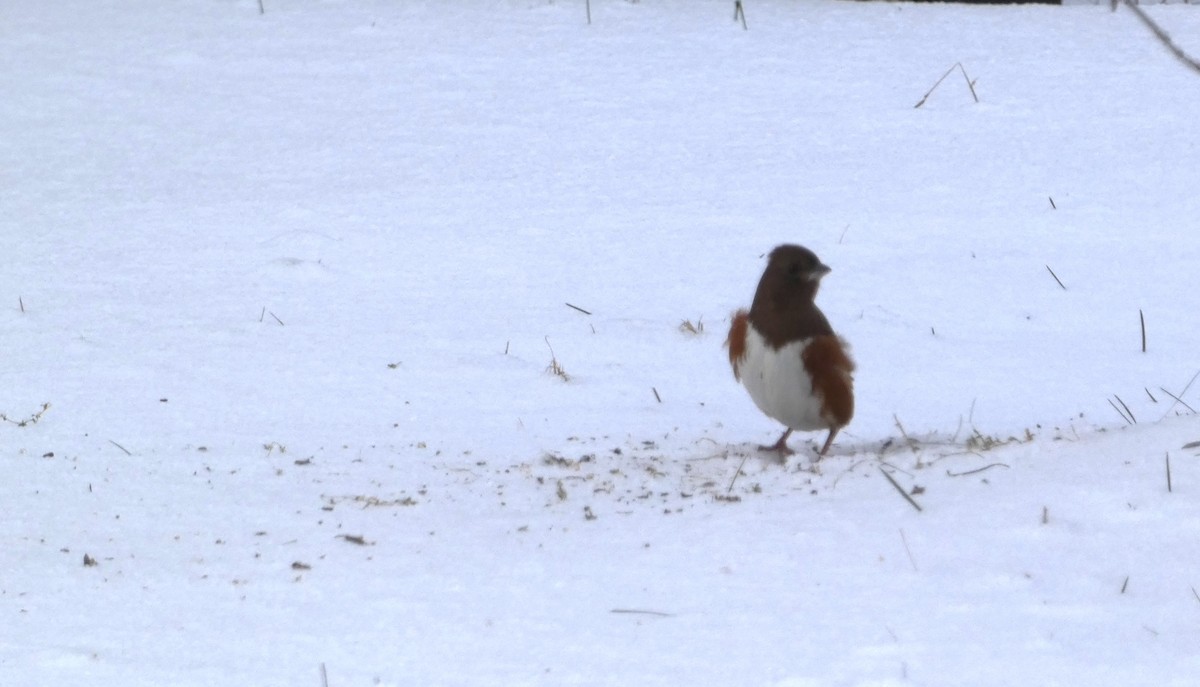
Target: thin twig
x: 1178, y: 399
x: 1150, y: 394
x: 276, y: 318
x: 263, y: 10
x: 578, y: 308
x: 120, y: 447
x: 656, y: 396
x: 1052, y: 274
x: 1143, y: 319
x: 900, y: 489
x: 1052, y: 205
x: 589, y: 11
x: 970, y: 83
x: 21, y: 303
x: 976, y: 470
x: 907, y: 550
x: 908, y: 440
x: 1195, y: 594
x: 739, y: 472
x: 1125, y: 584
x: 740, y: 13
x: 324, y: 674
x: 1160, y: 34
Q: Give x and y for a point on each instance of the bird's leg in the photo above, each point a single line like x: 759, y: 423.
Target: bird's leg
x: 780, y: 446
x: 829, y: 440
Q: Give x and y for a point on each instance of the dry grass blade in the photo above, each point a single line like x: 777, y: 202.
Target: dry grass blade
x: 1178, y: 399
x: 970, y: 84
x: 1127, y: 410
x: 1119, y: 412
x: 554, y: 367
x: 696, y: 329
x: 1143, y: 319
x: 900, y: 489
x: 1168, y: 472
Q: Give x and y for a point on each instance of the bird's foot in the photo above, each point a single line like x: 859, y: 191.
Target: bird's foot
x: 780, y: 447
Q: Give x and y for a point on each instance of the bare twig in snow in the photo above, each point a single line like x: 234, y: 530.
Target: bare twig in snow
x: 970, y: 84
x: 976, y: 470
x: 907, y: 439
x: 31, y: 420
x: 1142, y: 317
x: 739, y: 472
x: 740, y: 13
x: 1052, y: 274
x: 120, y: 447
x: 907, y: 550
x: 576, y: 307
x: 900, y: 489
x: 1179, y: 399
x: 638, y: 611
x: 1159, y: 33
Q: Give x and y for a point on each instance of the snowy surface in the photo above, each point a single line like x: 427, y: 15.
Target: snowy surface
x: 287, y: 282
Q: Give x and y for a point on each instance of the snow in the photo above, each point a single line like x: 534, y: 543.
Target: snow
x: 290, y: 283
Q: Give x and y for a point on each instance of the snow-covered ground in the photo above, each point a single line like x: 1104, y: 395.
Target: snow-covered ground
x: 289, y: 283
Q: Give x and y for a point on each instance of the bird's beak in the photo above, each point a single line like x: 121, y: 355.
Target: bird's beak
x: 819, y: 271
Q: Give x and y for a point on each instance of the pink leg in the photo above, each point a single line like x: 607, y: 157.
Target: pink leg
x: 780, y: 446
x: 829, y: 440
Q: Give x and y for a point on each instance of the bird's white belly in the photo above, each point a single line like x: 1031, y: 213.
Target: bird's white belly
x: 779, y: 384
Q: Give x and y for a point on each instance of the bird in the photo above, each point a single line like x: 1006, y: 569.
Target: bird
x: 783, y: 350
